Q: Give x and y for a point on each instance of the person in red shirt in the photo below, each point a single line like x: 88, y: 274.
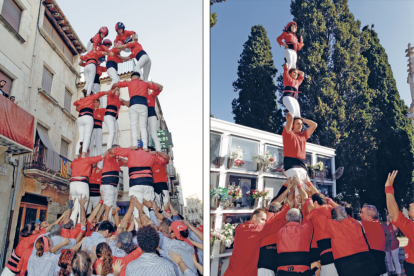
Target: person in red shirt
x: 375, y: 235
x: 142, y: 59
x: 95, y: 145
x: 291, y: 43
x: 349, y: 246
x: 79, y: 182
x: 112, y: 63
x: 406, y: 225
x: 152, y: 117
x: 97, y: 39
x: 294, y: 146
x: 94, y: 187
x: 160, y: 183
x: 138, y: 105
x: 291, y: 81
x: 113, y: 104
x: 248, y: 237
x: 141, y: 181
x: 85, y: 121
x: 124, y: 36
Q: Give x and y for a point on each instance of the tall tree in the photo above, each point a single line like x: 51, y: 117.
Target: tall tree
x: 213, y: 15
x: 256, y: 104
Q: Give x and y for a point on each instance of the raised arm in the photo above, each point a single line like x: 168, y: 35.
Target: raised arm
x: 392, y: 205
x: 128, y: 214
x: 312, y: 126
x: 289, y: 122
x: 95, y: 211
x: 163, y: 155
x: 194, y: 230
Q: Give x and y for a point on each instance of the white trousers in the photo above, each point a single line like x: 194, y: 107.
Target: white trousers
x: 152, y: 127
x: 89, y: 47
x: 95, y: 146
x: 143, y: 62
x: 113, y: 128
x: 301, y: 173
x: 78, y: 189
x: 93, y: 202
x: 329, y: 270
x: 96, y: 88
x: 291, y: 58
x: 113, y: 74
x: 90, y: 72
x: 85, y: 127
x: 141, y: 192
x: 164, y: 199
x: 110, y: 198
x: 265, y: 272
x: 292, y: 105
x: 7, y: 272
x: 138, y: 114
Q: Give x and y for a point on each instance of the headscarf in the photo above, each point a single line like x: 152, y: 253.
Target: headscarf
x: 178, y: 226
x: 47, y: 265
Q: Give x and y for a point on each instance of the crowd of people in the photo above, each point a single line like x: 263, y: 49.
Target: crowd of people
x: 90, y: 238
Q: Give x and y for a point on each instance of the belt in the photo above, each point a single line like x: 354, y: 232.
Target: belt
x: 112, y: 110
x: 138, y: 100
x: 86, y: 112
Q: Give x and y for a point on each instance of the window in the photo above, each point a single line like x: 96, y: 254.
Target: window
x: 215, y: 140
x: 214, y: 180
x: 273, y: 186
x: 9, y: 81
x: 54, y: 35
x: 325, y: 189
x: 277, y: 166
x: 68, y: 100
x: 47, y: 81
x: 64, y: 148
x: 12, y: 13
x: 250, y: 148
x: 326, y: 162
x: 246, y: 184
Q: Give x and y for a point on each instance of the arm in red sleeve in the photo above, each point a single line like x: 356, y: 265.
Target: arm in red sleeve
x: 96, y: 40
x: 76, y: 103
x: 131, y: 44
x: 300, y: 45
x: 156, y: 93
x: 406, y: 226
x: 129, y: 33
x: 276, y: 223
x: 286, y: 74
x: 110, y: 94
x: 159, y: 160
x: 271, y: 217
x: 326, y: 224
x: 92, y: 160
x: 153, y: 86
x: 122, y: 84
x: 123, y: 152
x: 132, y: 256
x: 300, y: 79
x: 97, y: 95
x: 83, y: 58
x: 280, y: 38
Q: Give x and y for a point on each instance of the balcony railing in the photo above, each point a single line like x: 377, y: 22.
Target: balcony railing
x: 36, y: 165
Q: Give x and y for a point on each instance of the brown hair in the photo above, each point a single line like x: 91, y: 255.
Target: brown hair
x: 291, y: 70
x: 258, y: 211
x: 104, y: 251
x: 65, y: 262
x: 40, y: 246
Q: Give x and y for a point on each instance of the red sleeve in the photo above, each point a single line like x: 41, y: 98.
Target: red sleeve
x: 83, y: 58
x: 271, y: 217
x: 123, y: 152
x: 92, y: 160
x: 153, y: 86
x: 110, y: 94
x: 156, y: 93
x: 97, y: 95
x: 159, y: 160
x: 122, y: 84
x: 83, y: 64
x: 275, y: 223
x: 132, y: 256
x: 130, y: 44
x: 77, y: 103
x: 129, y: 33
x: 300, y: 45
x: 116, y: 38
x: 300, y: 79
x: 33, y: 237
x: 43, y: 231
x: 96, y: 40
x: 305, y: 134
x: 405, y: 225
x: 104, y: 48
x: 280, y: 38
x: 326, y: 224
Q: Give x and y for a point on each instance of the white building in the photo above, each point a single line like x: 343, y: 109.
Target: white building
x: 226, y: 137
x: 194, y: 209
x: 39, y: 55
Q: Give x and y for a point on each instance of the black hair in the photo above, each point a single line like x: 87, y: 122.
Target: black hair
x: 152, y: 148
x: 148, y: 239
x: 28, y: 229
x: 68, y: 225
x: 320, y: 198
x: 297, y: 118
x: 289, y: 29
x: 181, y: 217
x: 184, y: 233
x: 134, y: 233
x: 166, y: 222
x: 3, y: 80
x: 136, y: 74
x: 107, y: 225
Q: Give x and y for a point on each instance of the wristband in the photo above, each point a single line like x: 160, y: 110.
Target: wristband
x: 309, y: 184
x: 70, y: 204
x: 300, y: 185
x: 101, y: 202
x: 150, y: 209
x: 389, y: 190
x: 308, y: 201
x: 285, y: 184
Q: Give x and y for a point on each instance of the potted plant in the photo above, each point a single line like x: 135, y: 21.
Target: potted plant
x: 264, y: 160
x: 318, y: 169
x: 235, y: 158
x: 225, y: 236
x: 234, y: 194
x: 255, y: 195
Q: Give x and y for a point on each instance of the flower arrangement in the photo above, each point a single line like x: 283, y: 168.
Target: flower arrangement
x: 318, y: 167
x: 237, y: 154
x: 265, y: 158
x: 222, y: 194
x: 235, y: 192
x: 225, y: 235
x: 253, y: 194
x: 239, y: 163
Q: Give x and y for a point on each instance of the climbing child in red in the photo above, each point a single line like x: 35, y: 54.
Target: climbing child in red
x: 292, y: 45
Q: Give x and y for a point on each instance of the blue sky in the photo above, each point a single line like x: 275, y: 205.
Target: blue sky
x: 171, y: 33
x: 393, y: 20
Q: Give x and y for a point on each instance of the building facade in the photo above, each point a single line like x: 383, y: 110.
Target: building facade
x: 226, y: 137
x: 194, y: 209
x: 39, y: 55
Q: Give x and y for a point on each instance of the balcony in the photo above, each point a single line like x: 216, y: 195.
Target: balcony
x: 171, y: 172
x: 16, y: 129
x: 37, y: 166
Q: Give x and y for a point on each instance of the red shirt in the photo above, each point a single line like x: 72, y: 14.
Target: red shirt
x: 159, y: 173
x: 407, y: 228
x: 113, y: 102
x: 98, y: 116
x: 140, y: 158
x: 125, y: 260
x: 111, y: 164
x: 289, y: 81
x: 115, y: 57
x: 88, y: 232
x: 151, y: 97
x: 96, y: 40
x: 247, y: 239
x: 290, y: 38
x: 346, y: 235
x: 100, y: 70
x: 137, y: 87
x: 71, y: 234
x: 26, y: 251
x: 92, y: 57
x: 375, y: 235
x: 294, y: 145
x: 87, y: 102
x: 135, y: 48
x: 123, y: 36
x: 82, y: 166
x: 95, y: 177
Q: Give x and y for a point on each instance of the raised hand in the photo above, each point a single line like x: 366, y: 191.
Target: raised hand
x: 83, y: 200
x: 99, y: 269
x: 117, y: 267
x: 390, y: 179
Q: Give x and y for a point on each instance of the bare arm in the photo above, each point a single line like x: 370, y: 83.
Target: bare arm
x: 312, y: 126
x: 392, y: 205
x: 116, y: 216
x: 163, y: 155
x: 127, y: 103
x: 78, y: 245
x: 82, y: 203
x: 128, y: 214
x: 195, y: 230
x: 173, y: 212
x: 196, y: 244
x: 197, y: 265
x: 283, y: 195
x: 107, y: 210
x: 289, y: 122
x: 95, y: 211
x: 99, y: 215
x: 160, y: 87
x: 59, y: 246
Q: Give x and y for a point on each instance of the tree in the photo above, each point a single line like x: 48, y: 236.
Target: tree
x: 213, y: 16
x: 256, y: 105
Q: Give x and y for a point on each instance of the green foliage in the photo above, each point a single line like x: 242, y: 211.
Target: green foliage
x: 213, y: 16
x: 256, y: 104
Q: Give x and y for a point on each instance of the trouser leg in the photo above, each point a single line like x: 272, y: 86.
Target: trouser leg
x: 152, y: 126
